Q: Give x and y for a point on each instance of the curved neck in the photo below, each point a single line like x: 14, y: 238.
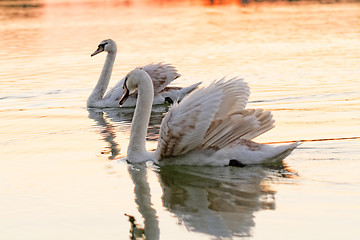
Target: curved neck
x: 104, y: 79
x: 137, y: 146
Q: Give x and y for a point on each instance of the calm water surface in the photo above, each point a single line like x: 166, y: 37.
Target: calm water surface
x: 61, y: 173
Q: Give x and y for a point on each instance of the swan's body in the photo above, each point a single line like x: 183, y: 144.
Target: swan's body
x: 161, y: 75
x: 209, y: 127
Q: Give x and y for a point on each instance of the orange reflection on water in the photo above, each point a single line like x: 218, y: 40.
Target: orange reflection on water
x: 300, y: 60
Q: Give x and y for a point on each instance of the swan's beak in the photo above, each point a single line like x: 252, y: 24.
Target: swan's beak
x: 124, y: 96
x: 99, y: 50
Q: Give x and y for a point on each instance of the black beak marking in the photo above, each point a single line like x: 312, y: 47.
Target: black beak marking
x: 124, y: 96
x: 100, y: 49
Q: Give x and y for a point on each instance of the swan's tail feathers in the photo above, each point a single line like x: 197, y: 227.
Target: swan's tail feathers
x: 282, y: 152
x: 186, y: 90
x: 176, y: 94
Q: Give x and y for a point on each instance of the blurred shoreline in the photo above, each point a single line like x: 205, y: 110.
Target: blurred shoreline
x: 41, y: 3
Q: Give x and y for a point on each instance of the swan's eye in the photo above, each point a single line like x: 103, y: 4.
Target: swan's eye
x: 102, y: 45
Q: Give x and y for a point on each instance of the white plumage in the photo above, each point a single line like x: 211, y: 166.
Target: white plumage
x: 208, y: 127
x: 161, y: 74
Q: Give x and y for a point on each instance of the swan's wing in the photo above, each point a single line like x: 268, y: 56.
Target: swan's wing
x: 161, y: 74
x: 244, y: 124
x: 115, y: 92
x: 263, y: 119
x: 236, y: 94
x: 185, y: 126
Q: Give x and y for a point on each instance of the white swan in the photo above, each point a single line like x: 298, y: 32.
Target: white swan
x: 208, y: 127
x: 161, y: 74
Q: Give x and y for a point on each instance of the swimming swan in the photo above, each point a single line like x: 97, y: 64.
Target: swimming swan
x: 161, y: 74
x: 208, y: 127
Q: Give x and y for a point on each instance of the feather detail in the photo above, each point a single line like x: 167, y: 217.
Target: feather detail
x: 244, y: 124
x: 264, y: 120
x: 161, y: 74
x: 236, y: 93
x: 211, y: 118
x: 184, y: 126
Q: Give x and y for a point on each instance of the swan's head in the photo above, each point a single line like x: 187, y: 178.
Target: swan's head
x: 107, y: 45
x: 131, y: 83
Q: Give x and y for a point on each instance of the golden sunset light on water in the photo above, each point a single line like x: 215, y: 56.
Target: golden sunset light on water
x: 63, y: 167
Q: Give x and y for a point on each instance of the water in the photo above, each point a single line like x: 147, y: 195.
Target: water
x: 61, y: 173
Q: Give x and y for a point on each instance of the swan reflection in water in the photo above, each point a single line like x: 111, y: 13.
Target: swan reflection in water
x: 217, y: 201
x: 108, y: 121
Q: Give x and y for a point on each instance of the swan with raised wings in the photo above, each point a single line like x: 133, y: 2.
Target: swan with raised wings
x: 161, y: 74
x: 208, y: 127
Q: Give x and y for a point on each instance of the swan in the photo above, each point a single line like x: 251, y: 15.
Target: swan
x: 208, y: 127
x: 161, y: 74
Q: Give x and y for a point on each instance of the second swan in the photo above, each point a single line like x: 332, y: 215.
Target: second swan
x: 161, y: 75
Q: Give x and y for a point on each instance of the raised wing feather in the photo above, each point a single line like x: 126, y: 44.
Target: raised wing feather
x: 184, y: 126
x: 264, y: 121
x: 244, y: 124
x: 236, y: 94
x: 161, y: 74
x: 211, y: 117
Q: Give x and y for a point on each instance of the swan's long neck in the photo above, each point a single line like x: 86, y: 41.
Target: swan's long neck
x: 137, y: 146
x: 104, y: 79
